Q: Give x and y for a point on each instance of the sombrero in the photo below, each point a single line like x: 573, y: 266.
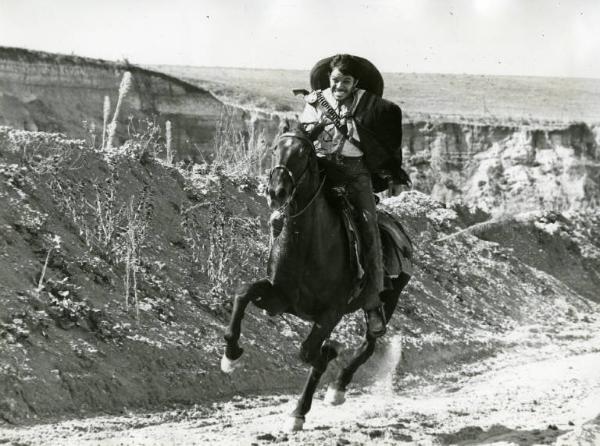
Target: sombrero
x: 369, y: 78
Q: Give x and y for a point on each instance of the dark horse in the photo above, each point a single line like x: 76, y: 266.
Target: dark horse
x: 310, y: 269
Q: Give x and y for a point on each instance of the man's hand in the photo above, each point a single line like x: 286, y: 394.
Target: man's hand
x: 395, y: 185
x: 403, y: 178
x: 324, y: 121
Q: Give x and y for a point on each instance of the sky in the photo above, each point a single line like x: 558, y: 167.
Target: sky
x: 500, y: 37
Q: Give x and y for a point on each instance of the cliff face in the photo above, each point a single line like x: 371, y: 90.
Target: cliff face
x: 502, y: 168
x: 47, y: 92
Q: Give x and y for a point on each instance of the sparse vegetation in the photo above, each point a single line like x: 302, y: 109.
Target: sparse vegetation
x: 169, y: 142
x: 114, y: 221
x: 105, y: 114
x: 124, y: 88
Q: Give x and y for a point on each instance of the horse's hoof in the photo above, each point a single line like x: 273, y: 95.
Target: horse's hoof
x: 335, y: 397
x: 295, y: 424
x: 229, y: 365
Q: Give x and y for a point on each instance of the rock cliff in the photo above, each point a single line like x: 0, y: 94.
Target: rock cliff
x: 58, y: 93
x: 505, y: 168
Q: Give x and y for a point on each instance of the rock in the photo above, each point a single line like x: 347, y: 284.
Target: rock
x: 266, y: 437
x: 401, y: 437
x: 376, y: 433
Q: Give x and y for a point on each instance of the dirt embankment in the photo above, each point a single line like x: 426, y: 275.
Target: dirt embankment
x: 61, y: 93
x: 117, y: 272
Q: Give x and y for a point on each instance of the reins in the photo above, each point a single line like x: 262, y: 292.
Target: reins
x: 295, y: 183
x: 311, y: 200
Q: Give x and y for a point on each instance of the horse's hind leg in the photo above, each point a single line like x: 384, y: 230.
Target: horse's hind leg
x: 317, y: 352
x: 390, y: 297
x: 261, y: 293
x: 337, y: 390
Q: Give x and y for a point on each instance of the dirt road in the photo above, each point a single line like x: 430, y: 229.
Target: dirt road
x: 546, y: 394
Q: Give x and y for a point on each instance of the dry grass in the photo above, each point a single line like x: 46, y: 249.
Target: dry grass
x: 55, y: 245
x: 240, y: 150
x: 105, y: 114
x: 124, y: 89
x: 169, y: 142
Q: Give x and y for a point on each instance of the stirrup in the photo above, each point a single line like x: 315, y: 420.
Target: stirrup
x: 381, y: 316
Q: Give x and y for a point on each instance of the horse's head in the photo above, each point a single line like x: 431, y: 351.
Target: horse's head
x: 294, y: 154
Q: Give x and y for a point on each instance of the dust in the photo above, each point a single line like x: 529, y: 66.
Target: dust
x: 386, y: 366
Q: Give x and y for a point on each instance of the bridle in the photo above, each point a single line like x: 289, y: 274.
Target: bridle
x: 296, y: 182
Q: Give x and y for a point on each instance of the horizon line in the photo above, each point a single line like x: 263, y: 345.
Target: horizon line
x: 124, y: 59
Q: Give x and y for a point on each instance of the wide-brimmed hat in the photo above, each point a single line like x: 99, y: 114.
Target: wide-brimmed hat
x: 369, y: 77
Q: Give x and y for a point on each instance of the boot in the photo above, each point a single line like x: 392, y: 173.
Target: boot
x: 375, y: 322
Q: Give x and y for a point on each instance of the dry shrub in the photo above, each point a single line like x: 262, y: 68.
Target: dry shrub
x: 229, y: 248
x: 40, y: 152
x: 145, y: 139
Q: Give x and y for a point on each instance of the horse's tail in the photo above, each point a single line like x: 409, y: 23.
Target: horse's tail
x: 397, y: 246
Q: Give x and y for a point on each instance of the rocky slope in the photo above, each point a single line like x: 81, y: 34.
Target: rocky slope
x: 117, y: 272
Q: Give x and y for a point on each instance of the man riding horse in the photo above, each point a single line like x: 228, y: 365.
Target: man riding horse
x: 312, y: 271
x: 360, y: 135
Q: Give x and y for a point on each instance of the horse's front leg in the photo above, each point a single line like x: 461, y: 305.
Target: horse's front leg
x: 257, y: 291
x: 316, y: 352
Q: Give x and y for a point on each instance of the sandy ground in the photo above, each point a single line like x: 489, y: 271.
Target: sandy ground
x: 532, y: 395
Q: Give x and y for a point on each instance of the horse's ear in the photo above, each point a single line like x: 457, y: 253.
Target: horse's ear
x: 284, y: 126
x: 314, y: 132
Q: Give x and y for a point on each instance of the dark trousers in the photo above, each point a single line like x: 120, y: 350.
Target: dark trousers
x: 357, y: 181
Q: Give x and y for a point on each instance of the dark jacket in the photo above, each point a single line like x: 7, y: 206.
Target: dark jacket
x: 379, y: 125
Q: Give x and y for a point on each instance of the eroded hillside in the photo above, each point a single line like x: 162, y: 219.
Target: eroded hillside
x: 64, y: 93
x: 117, y: 270
x: 503, y: 162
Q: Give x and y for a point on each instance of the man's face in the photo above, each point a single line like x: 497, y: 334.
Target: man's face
x: 341, y: 84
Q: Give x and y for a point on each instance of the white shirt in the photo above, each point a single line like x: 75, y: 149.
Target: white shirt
x: 331, y: 139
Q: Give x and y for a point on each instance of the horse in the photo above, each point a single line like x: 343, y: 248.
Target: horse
x: 310, y: 273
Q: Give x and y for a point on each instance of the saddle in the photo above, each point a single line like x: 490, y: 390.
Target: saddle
x: 396, y: 245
